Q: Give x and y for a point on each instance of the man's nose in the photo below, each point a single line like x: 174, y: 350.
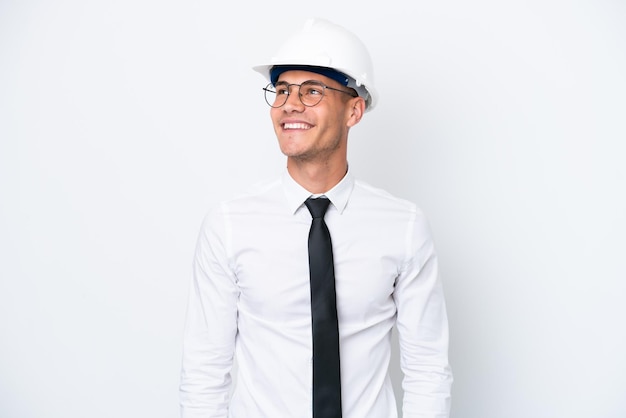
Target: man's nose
x: 293, y: 102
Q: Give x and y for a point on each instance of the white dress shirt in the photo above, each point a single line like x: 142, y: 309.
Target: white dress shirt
x: 250, y: 300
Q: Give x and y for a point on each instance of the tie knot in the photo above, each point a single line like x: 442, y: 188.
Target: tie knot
x: 317, y: 206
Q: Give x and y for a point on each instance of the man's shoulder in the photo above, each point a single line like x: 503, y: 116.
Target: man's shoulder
x: 375, y: 203
x: 379, y: 197
x: 256, y: 195
x: 259, y: 190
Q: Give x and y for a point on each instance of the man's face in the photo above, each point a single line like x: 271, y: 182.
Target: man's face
x: 317, y: 133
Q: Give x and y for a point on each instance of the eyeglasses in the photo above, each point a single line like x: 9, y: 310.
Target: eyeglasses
x: 310, y: 93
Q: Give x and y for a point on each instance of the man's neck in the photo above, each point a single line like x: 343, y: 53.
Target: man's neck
x: 317, y: 177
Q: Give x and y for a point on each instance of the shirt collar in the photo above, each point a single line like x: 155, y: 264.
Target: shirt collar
x: 338, y: 195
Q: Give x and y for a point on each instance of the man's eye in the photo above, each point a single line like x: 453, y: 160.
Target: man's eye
x: 282, y: 91
x: 313, y: 91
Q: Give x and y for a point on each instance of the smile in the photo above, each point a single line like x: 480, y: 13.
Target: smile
x: 298, y: 125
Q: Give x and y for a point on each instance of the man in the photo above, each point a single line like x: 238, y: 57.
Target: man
x: 255, y: 296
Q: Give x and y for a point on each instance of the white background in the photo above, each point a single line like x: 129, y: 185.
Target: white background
x: 122, y: 122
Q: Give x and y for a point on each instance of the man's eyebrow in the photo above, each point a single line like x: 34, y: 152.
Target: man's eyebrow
x: 281, y: 83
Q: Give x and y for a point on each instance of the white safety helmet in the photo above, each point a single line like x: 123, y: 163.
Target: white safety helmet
x: 321, y: 43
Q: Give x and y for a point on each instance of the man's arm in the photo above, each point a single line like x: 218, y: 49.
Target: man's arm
x: 211, y: 326
x: 422, y: 325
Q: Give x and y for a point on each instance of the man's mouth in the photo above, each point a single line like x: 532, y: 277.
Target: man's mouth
x: 296, y: 125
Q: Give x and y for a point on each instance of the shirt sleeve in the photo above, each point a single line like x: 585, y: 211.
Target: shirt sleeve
x: 422, y: 326
x: 211, y: 325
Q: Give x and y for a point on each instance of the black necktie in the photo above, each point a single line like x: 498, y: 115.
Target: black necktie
x: 326, y: 373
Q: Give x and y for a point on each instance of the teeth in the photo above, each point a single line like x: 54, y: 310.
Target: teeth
x: 296, y: 126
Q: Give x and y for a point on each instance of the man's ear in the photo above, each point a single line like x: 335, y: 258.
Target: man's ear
x: 356, y: 108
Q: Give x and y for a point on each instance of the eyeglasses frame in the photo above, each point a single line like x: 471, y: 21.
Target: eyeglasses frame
x: 266, y: 89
